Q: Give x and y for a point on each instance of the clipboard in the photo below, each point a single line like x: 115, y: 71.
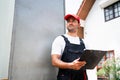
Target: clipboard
x: 92, y: 58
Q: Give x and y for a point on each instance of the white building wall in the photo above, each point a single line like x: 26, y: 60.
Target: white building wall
x: 6, y: 22
x: 100, y: 34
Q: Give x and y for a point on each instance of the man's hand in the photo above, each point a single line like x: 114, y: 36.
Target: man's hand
x: 76, y: 64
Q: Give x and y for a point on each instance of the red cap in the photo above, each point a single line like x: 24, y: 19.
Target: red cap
x: 72, y: 15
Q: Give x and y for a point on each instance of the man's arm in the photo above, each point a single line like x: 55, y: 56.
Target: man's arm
x: 57, y: 62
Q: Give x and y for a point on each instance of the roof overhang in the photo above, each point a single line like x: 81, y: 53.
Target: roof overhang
x: 85, y: 8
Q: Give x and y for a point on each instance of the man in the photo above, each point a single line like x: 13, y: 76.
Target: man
x: 66, y: 52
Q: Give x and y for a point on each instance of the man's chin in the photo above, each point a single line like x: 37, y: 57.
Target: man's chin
x: 72, y: 31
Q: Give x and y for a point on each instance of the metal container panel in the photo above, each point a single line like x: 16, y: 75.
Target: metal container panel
x: 36, y: 24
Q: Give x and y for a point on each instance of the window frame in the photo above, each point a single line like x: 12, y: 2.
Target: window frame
x: 111, y: 11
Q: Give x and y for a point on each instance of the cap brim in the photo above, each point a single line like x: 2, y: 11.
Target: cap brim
x: 71, y: 15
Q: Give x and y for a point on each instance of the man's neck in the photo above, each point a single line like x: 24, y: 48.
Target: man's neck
x: 73, y: 34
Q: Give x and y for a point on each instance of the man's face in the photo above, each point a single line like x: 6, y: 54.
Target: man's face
x: 72, y: 24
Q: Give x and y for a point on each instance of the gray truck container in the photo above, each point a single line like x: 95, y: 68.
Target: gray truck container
x: 36, y: 24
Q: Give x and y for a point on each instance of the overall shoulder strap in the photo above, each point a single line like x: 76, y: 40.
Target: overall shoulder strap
x: 66, y: 39
x: 82, y: 42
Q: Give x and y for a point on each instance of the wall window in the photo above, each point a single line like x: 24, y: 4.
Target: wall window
x: 109, y: 54
x: 112, y: 11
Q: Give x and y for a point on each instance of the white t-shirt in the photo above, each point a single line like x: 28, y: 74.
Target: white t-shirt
x: 59, y: 43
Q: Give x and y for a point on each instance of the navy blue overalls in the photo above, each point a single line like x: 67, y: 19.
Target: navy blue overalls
x: 70, y: 53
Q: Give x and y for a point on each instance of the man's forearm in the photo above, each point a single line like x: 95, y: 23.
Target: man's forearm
x: 76, y: 64
x: 60, y: 64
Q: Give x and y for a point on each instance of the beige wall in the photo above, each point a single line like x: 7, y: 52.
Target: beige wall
x: 6, y: 22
